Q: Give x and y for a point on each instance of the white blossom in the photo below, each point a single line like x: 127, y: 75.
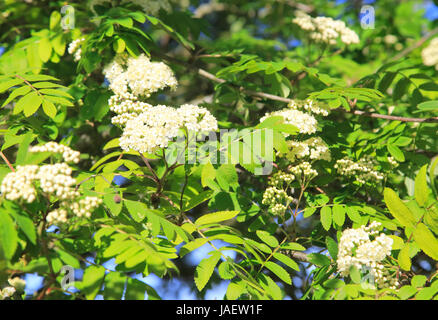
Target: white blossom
x: 310, y: 106
x: 160, y: 124
x: 19, y: 184
x: 75, y: 48
x: 430, y: 54
x: 131, y: 77
x: 325, y: 29
x: 305, y: 123
x: 304, y: 170
x: 314, y: 148
x: 7, y: 292
x: 365, y: 247
x: 68, y: 154
x: 18, y: 283
x: 362, y: 170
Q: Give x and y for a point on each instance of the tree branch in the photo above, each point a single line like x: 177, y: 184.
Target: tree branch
x: 268, y: 96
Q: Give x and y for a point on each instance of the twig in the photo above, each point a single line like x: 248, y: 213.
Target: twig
x: 7, y: 161
x: 416, y: 45
x: 268, y: 96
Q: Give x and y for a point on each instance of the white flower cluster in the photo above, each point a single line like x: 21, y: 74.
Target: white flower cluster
x: 276, y: 196
x: 68, y: 154
x: 19, y: 184
x: 430, y: 54
x: 363, y: 170
x: 304, y: 170
x: 305, y: 123
x: 392, y: 162
x: 310, y: 106
x: 15, y: 285
x: 280, y: 178
x: 75, y: 48
x: 53, y: 180
x: 131, y: 77
x: 57, y: 216
x: 325, y: 29
x: 357, y: 249
x: 7, y: 292
x: 277, y: 200
x: 84, y: 207
x: 156, y: 127
x: 56, y: 179
x: 126, y: 109
x: 80, y: 208
x: 315, y: 148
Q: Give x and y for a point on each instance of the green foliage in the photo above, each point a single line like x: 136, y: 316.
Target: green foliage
x: 238, y: 63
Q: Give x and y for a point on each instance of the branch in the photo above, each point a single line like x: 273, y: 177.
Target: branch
x: 298, y: 255
x: 7, y: 161
x: 416, y: 45
x: 394, y: 118
x: 268, y: 96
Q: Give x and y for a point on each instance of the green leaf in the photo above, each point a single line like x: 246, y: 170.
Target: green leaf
x: 45, y: 49
x: 114, y: 286
x: 235, y: 290
x: 198, y: 199
x: 404, y: 259
x: 205, y: 269
x: 430, y: 106
x: 308, y: 212
x: 398, y: 209
x: 8, y: 235
x: 135, y: 289
x: 279, y: 271
x: 227, y: 177
x: 429, y: 86
x: 136, y: 209
x: 421, y: 190
x: 318, y: 259
x: 332, y: 247
x: 29, y: 104
x: 426, y: 241
x: 208, y: 174
x: 49, y: 108
x: 267, y: 238
x: 326, y: 217
x: 25, y: 224
x: 339, y: 214
x: 60, y: 100
x: 292, y: 246
x: 418, y: 280
x: 270, y: 286
x: 119, y: 45
x: 55, y: 19
x: 109, y: 201
x: 17, y: 92
x: 406, y: 292
x: 287, y: 261
x: 396, y: 152
x: 215, y: 217
x: 56, y: 92
x: 192, y: 245
x: 226, y: 271
x: 5, y: 85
